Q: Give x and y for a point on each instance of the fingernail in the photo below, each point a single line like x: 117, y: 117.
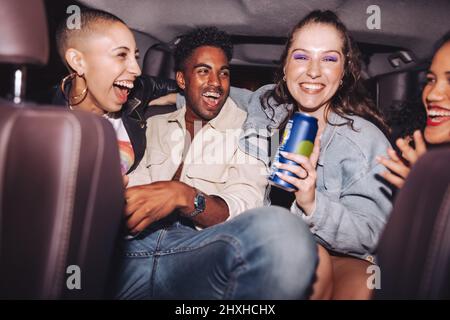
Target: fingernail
x: 283, y: 153
x: 277, y: 164
x: 378, y: 158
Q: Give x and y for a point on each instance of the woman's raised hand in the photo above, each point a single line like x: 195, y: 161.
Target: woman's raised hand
x: 400, y: 167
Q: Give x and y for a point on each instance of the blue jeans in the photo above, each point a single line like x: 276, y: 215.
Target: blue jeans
x: 264, y: 253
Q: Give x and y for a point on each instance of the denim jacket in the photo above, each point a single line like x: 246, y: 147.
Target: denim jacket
x: 352, y: 201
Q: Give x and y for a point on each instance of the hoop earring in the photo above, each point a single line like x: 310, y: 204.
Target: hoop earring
x: 341, y: 82
x: 82, y: 95
x: 284, y: 78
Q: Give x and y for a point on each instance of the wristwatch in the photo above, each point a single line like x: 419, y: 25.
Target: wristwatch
x: 199, y: 204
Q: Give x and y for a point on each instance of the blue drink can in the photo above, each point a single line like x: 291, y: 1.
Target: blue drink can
x: 298, y: 138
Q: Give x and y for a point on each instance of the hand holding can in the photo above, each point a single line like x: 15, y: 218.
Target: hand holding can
x: 298, y: 138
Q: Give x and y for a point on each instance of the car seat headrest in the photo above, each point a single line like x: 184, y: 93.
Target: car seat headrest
x: 24, y: 32
x: 159, y: 62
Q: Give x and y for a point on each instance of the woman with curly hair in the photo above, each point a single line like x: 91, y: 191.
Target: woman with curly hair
x: 436, y: 105
x: 413, y: 250
x: 340, y: 194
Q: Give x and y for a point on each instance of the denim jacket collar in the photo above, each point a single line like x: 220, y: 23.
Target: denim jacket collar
x: 327, y: 136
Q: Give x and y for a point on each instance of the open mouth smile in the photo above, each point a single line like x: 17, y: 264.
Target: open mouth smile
x: 122, y: 89
x: 211, y: 98
x: 437, y: 116
x: 311, y: 88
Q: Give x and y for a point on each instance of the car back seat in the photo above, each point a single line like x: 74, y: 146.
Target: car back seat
x: 414, y: 250
x: 61, y: 191
x: 159, y: 62
x: 61, y: 202
x: 397, y: 95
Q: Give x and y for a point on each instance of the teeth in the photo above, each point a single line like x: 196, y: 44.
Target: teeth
x: 211, y: 94
x: 434, y: 113
x: 312, y: 86
x: 124, y: 83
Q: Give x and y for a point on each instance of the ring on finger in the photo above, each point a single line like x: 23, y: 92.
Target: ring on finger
x: 305, y: 177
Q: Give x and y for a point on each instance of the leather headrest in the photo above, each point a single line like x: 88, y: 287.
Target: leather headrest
x: 24, y: 32
x: 159, y: 62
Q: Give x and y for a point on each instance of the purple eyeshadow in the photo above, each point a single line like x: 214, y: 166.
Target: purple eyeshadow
x: 300, y: 56
x: 331, y: 58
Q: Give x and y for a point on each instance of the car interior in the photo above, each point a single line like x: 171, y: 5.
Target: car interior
x: 53, y: 163
x: 60, y: 183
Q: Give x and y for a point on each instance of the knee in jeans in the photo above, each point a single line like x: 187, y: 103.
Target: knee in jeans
x: 287, y: 249
x: 269, y: 218
x: 278, y: 223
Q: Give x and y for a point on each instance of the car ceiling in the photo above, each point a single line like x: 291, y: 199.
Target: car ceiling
x: 413, y: 25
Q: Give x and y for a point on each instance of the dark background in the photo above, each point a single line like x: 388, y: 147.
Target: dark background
x: 42, y: 80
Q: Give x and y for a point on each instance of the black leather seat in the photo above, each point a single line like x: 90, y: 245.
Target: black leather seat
x: 395, y: 88
x: 159, y: 62
x: 397, y: 95
x: 61, y: 191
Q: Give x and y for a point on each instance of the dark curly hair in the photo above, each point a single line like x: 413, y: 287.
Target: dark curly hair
x: 208, y: 36
x: 351, y: 98
x: 405, y: 117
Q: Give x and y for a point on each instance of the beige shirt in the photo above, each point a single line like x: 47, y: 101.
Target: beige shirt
x: 213, y: 163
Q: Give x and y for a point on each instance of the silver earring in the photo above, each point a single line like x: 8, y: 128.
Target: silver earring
x: 284, y: 78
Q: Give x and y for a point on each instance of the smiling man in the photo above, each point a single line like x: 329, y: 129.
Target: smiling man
x: 186, y: 200
x: 182, y: 171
